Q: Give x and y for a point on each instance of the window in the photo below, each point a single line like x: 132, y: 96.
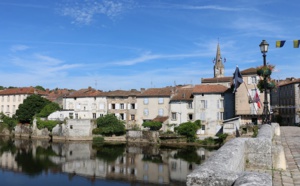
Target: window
x: 2, y: 108
x: 253, y: 80
x: 202, y: 116
x: 78, y: 106
x: 8, y: 98
x: 94, y: 115
x: 122, y: 106
x: 221, y: 103
x: 160, y: 168
x: 145, y: 101
x: 2, y: 98
x: 174, y: 116
x: 14, y: 98
x: 14, y: 109
x: 71, y: 115
x: 132, y: 105
x: 173, y: 165
x: 146, y: 112
x: 76, y: 116
x: 203, y: 104
x: 7, y: 108
x: 113, y: 106
x: 19, y: 98
x: 101, y: 115
x: 160, y: 112
x: 160, y: 100
x: 190, y: 116
x: 202, y: 127
x: 220, y: 115
x: 132, y: 117
x: 190, y: 105
x: 122, y: 116
x: 101, y: 106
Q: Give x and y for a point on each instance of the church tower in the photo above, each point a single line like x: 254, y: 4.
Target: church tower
x: 219, y: 66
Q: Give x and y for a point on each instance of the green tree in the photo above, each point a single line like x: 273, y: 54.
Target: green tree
x: 48, y: 109
x: 2, y: 87
x: 9, y: 122
x: 188, y: 129
x: 153, y: 125
x: 31, y: 106
x: 40, y: 88
x: 109, y: 124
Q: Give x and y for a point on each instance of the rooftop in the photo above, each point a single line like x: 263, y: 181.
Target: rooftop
x: 200, y: 89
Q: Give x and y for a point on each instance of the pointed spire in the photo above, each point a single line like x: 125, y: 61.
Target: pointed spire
x: 219, y: 66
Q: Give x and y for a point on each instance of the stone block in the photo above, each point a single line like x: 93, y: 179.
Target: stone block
x: 253, y: 179
x: 259, y: 145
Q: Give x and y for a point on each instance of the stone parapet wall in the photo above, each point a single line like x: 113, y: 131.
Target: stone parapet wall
x: 142, y: 136
x: 227, y: 166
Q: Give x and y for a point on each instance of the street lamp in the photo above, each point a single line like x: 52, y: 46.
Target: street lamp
x: 264, y: 49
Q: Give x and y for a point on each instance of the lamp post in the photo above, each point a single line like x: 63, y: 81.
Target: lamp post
x: 264, y: 49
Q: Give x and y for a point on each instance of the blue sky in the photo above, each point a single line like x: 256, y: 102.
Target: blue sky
x: 125, y: 44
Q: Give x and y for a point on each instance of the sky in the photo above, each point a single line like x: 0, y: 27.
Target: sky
x: 133, y: 44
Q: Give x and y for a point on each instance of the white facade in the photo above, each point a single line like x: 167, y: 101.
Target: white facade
x: 10, y: 103
x: 181, y: 112
x: 151, y: 107
x: 86, y: 107
x: 209, y: 108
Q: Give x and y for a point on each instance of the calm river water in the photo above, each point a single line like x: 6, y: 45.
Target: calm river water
x: 36, y: 162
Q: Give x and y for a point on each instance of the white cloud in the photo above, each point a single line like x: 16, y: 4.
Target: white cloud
x: 85, y: 12
x: 16, y: 48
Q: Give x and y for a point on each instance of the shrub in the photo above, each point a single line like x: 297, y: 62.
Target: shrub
x: 153, y: 125
x: 96, y: 131
x: 49, y: 124
x: 109, y: 125
x: 188, y: 129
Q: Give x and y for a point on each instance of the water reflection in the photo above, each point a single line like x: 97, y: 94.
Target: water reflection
x: 133, y: 164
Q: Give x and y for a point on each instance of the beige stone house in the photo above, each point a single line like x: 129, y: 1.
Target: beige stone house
x: 123, y: 104
x: 11, y: 98
x: 181, y: 107
x: 245, y: 106
x: 153, y: 103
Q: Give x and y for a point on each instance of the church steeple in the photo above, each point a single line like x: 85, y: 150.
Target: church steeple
x: 219, y: 66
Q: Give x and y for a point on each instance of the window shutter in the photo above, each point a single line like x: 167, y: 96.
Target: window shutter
x: 249, y: 80
x: 117, y: 106
x: 135, y: 105
x: 125, y: 117
x: 109, y: 106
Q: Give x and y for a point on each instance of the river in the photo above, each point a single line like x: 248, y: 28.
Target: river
x: 37, y: 162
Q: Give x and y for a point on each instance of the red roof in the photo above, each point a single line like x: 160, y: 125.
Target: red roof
x: 209, y: 89
x: 122, y: 93
x: 89, y: 92
x: 23, y: 90
x: 217, y: 80
x: 183, y: 94
x: 155, y: 92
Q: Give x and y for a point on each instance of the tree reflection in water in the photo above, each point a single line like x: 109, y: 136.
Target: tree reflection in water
x: 134, y: 164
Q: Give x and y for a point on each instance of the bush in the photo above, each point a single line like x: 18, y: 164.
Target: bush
x: 9, y: 122
x: 49, y: 124
x: 188, y: 129
x: 96, y: 131
x: 98, y: 140
x: 109, y: 125
x: 153, y: 125
x: 48, y: 109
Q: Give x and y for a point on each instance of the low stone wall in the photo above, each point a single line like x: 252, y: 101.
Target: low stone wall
x: 142, y: 136
x: 227, y: 166
x: 23, y: 131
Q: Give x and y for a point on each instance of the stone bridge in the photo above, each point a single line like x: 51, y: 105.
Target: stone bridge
x: 272, y: 158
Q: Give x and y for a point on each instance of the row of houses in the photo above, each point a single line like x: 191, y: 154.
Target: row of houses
x: 213, y: 102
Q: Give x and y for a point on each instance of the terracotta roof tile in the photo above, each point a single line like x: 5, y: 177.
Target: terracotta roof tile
x: 23, y: 90
x: 89, y: 92
x: 249, y: 71
x: 161, y: 118
x: 209, y: 89
x: 183, y: 94
x: 288, y: 81
x: 122, y: 93
x: 153, y: 92
x: 217, y: 80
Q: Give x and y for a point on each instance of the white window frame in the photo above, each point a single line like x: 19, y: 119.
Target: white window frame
x: 146, y: 101
x: 160, y: 100
x: 146, y: 112
x: 203, y: 104
x: 161, y: 112
x: 174, y: 115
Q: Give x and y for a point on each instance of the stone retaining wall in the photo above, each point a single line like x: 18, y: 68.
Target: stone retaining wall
x: 227, y: 166
x: 142, y: 136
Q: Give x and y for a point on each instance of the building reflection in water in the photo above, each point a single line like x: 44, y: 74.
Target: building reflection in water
x: 113, y: 162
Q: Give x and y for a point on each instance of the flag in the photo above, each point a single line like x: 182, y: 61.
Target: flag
x: 256, y: 99
x: 237, y: 79
x: 280, y: 44
x: 296, y: 43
